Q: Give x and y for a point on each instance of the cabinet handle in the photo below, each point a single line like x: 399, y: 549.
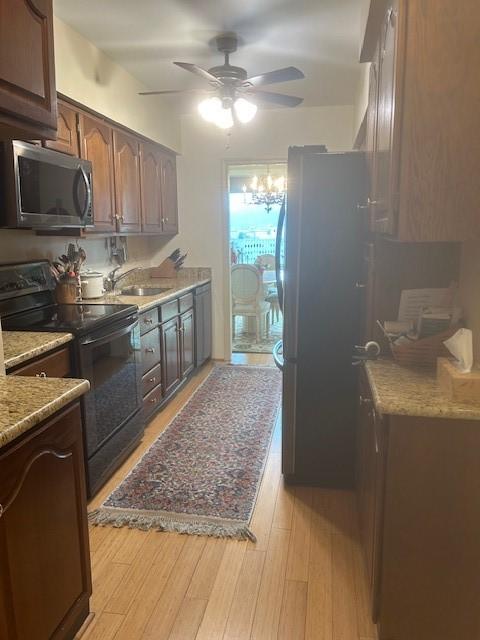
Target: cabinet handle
x: 42, y: 374
x: 148, y: 320
x: 152, y: 379
x: 166, y: 219
x: 153, y: 400
x: 365, y: 401
x: 150, y: 350
x: 360, y: 285
x: 1, y: 510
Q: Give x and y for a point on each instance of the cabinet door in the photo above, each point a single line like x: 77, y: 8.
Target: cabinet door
x: 67, y: 132
x: 169, y: 193
x: 45, y: 581
x: 170, y: 355
x: 370, y: 487
x: 384, y: 205
x: 203, y: 325
x: 28, y: 100
x: 187, y: 342
x: 151, y: 188
x: 127, y: 181
x: 96, y: 145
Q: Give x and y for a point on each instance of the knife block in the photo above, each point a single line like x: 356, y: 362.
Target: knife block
x: 164, y: 270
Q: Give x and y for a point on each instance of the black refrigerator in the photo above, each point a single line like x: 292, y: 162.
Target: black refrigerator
x: 320, y: 291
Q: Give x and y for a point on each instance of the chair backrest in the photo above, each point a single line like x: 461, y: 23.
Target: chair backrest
x: 267, y: 261
x: 246, y: 283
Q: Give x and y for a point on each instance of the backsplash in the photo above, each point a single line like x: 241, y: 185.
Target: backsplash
x: 22, y: 246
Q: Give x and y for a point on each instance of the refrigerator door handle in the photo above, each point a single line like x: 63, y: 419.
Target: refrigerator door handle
x: 277, y: 355
x: 278, y: 247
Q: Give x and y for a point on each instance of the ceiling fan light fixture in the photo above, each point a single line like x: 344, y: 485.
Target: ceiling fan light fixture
x: 244, y: 110
x: 224, y: 118
x: 210, y: 108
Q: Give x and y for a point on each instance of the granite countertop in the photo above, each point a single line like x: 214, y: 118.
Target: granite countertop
x: 176, y: 288
x: 406, y: 391
x: 20, y: 346
x: 27, y: 401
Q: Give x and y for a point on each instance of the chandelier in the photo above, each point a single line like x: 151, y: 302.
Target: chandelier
x: 266, y: 191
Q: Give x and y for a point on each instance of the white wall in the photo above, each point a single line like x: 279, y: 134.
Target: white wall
x: 202, y: 180
x: 86, y: 74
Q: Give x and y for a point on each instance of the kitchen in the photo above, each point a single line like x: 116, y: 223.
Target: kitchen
x: 408, y: 567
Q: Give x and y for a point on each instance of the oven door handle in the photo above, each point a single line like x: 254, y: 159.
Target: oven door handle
x: 109, y: 336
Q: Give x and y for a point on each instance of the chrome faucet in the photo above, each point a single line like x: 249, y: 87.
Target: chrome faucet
x: 111, y: 281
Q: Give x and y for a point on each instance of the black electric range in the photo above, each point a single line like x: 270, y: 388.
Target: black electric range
x: 106, y: 351
x: 78, y: 319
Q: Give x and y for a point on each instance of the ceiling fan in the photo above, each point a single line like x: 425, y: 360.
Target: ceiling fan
x: 234, y: 94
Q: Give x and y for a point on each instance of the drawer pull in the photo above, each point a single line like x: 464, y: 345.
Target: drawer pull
x: 153, y: 400
x: 150, y: 350
x: 42, y: 374
x: 148, y: 320
x: 365, y: 401
x: 152, y: 380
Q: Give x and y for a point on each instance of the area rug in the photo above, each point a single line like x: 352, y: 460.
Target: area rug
x: 202, y: 474
x: 245, y: 342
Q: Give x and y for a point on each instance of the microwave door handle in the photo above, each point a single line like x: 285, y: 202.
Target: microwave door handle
x: 109, y: 336
x: 278, y: 247
x: 88, y: 201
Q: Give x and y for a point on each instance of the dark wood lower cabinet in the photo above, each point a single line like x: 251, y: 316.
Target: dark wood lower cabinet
x: 187, y: 343
x: 418, y: 493
x: 170, y: 335
x: 45, y: 581
x: 203, y: 324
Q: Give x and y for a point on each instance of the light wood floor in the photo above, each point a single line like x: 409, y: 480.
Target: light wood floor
x: 304, y: 578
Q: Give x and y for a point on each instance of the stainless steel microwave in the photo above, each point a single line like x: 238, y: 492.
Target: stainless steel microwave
x: 43, y: 189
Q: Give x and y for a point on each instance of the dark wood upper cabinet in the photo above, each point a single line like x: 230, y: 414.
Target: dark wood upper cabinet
x: 28, y: 99
x: 45, y: 581
x: 67, y: 131
x: 151, y: 188
x: 427, y: 140
x: 169, y: 193
x: 96, y: 145
x: 127, y: 181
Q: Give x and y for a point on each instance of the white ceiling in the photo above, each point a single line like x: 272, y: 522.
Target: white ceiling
x: 320, y: 37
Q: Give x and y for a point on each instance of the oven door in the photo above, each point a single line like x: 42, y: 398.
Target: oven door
x: 51, y: 188
x: 111, y: 360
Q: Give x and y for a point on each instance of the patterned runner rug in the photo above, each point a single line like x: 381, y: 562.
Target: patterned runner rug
x: 202, y: 474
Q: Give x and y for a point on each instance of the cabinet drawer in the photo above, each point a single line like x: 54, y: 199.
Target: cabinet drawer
x: 150, y: 350
x: 148, y: 320
x: 151, y: 379
x: 185, y: 302
x: 152, y: 400
x: 53, y: 365
x: 169, y: 310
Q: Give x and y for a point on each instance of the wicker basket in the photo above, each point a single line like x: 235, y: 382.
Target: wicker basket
x: 423, y: 352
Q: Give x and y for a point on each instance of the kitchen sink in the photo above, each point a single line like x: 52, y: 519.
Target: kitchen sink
x: 135, y: 290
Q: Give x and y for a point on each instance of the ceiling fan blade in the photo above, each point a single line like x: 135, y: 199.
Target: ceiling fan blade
x: 279, y: 75
x: 173, y: 91
x: 280, y: 99
x: 198, y: 71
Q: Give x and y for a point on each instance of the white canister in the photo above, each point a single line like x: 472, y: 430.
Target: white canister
x: 92, y: 284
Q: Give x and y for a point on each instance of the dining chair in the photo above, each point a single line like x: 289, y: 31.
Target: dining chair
x: 248, y: 298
